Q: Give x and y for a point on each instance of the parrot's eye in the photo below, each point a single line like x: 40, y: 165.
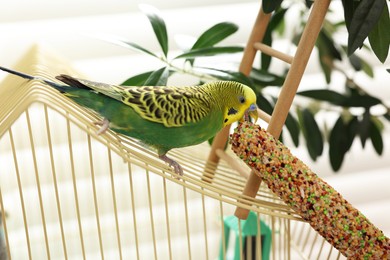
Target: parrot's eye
x: 241, y: 99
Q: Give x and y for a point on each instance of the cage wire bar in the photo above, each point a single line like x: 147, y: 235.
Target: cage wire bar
x: 67, y: 193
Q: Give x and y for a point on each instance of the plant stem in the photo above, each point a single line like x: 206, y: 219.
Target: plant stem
x: 185, y: 71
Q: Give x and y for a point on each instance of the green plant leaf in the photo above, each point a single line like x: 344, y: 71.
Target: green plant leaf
x: 326, y: 68
x: 281, y: 137
x: 379, y: 36
x: 338, y: 143
x: 367, y: 68
x: 355, y: 62
x: 274, y: 23
x: 349, y: 9
x: 265, y: 59
x: 227, y: 75
x: 388, y: 70
x: 363, y: 20
x: 309, y: 3
x: 158, y: 26
x: 364, y: 127
x: 357, y: 99
x: 341, y: 139
x: 330, y: 44
x: 327, y: 53
x: 210, y: 51
x: 325, y: 95
x: 293, y: 128
x: 270, y: 5
x: 215, y: 34
x: 139, y: 48
x: 137, y: 80
x: 266, y: 78
x: 376, y: 138
x: 311, y: 132
x: 264, y: 104
x: 353, y: 129
x: 158, y: 77
x: 129, y: 45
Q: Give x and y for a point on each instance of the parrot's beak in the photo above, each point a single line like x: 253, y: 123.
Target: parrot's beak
x: 251, y: 113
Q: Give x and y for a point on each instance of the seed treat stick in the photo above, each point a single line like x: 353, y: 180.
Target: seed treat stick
x: 334, y: 218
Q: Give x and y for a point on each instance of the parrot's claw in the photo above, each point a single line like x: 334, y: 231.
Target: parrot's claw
x: 172, y: 163
x: 104, y: 126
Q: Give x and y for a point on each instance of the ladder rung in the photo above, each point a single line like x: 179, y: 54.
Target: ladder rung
x: 263, y: 115
x: 272, y: 52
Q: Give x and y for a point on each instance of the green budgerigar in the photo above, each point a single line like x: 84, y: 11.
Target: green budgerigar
x: 160, y: 117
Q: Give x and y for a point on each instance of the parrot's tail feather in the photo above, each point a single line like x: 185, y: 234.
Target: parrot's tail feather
x: 31, y: 77
x: 17, y: 73
x: 71, y: 81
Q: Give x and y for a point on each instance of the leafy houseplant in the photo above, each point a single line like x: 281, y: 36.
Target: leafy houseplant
x: 363, y: 19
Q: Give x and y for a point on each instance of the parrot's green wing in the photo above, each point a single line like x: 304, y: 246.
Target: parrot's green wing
x: 170, y: 106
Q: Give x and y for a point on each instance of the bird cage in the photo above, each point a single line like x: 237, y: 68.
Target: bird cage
x: 68, y: 193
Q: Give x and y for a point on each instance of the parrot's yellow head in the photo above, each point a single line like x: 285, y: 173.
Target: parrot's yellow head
x: 240, y: 101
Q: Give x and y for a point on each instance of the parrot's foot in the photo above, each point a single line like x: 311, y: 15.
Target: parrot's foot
x: 176, y: 166
x: 104, y: 126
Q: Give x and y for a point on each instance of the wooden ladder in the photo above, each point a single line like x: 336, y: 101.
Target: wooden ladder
x: 289, y: 88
